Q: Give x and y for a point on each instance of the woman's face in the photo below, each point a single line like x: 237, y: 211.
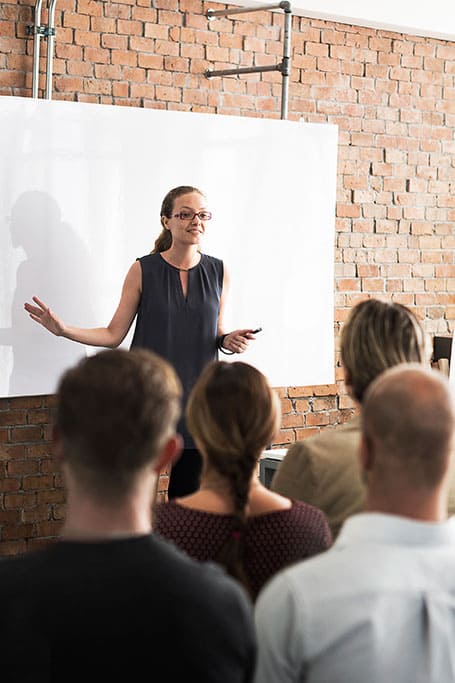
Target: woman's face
x: 188, y: 220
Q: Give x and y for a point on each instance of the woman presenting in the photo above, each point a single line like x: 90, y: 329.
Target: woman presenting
x: 178, y: 295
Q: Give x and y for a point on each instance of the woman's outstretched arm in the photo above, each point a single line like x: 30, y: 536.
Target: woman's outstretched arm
x: 110, y: 336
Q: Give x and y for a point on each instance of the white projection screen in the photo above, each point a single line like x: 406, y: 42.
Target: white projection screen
x: 80, y: 193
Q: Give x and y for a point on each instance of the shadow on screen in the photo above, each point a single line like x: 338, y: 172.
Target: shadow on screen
x: 56, y: 268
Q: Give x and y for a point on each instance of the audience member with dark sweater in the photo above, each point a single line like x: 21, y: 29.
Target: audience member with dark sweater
x: 233, y: 519
x: 109, y: 601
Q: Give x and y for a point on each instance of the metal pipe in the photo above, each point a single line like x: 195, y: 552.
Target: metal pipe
x: 36, y: 47
x: 285, y: 66
x: 211, y: 14
x: 50, y: 48
x: 243, y: 70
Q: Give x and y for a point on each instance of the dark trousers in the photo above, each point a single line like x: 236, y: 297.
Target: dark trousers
x: 185, y: 474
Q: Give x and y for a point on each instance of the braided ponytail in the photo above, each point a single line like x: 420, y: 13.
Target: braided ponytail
x: 238, y: 472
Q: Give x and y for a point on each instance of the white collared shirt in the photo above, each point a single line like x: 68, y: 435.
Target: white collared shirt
x: 378, y: 607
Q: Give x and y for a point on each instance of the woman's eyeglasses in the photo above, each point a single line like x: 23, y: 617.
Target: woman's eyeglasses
x: 191, y: 215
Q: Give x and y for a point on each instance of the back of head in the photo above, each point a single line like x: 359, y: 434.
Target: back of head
x: 233, y: 414
x: 408, y: 421
x: 114, y: 412
x: 377, y: 336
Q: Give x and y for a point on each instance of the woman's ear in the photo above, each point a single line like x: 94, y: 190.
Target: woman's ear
x: 164, y: 222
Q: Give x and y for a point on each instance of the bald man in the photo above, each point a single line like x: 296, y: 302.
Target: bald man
x: 379, y: 606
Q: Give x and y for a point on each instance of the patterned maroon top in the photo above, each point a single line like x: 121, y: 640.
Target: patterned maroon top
x: 272, y: 540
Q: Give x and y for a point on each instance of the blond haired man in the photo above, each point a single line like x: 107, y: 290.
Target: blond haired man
x: 323, y: 470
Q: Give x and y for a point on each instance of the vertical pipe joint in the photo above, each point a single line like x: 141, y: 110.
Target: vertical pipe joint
x: 37, y: 33
x: 50, y: 49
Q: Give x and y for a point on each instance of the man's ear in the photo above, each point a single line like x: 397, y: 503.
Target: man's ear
x: 366, y: 454
x: 170, y: 453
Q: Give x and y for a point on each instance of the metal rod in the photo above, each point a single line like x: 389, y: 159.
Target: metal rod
x: 285, y: 70
x: 283, y: 67
x: 50, y: 48
x: 240, y: 10
x: 243, y: 70
x: 36, y: 47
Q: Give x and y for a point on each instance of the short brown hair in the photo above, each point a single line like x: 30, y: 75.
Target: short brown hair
x: 114, y: 412
x: 377, y: 336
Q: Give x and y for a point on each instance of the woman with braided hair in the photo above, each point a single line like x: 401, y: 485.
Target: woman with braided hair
x: 232, y: 519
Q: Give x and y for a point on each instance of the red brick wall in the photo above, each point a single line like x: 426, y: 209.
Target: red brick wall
x: 393, y: 98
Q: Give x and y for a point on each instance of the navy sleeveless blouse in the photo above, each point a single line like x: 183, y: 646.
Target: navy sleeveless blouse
x: 181, y: 330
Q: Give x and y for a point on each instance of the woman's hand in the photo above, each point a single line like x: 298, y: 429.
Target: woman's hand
x: 238, y: 340
x: 43, y: 315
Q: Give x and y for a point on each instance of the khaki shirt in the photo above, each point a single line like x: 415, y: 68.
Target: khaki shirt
x: 324, y: 471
